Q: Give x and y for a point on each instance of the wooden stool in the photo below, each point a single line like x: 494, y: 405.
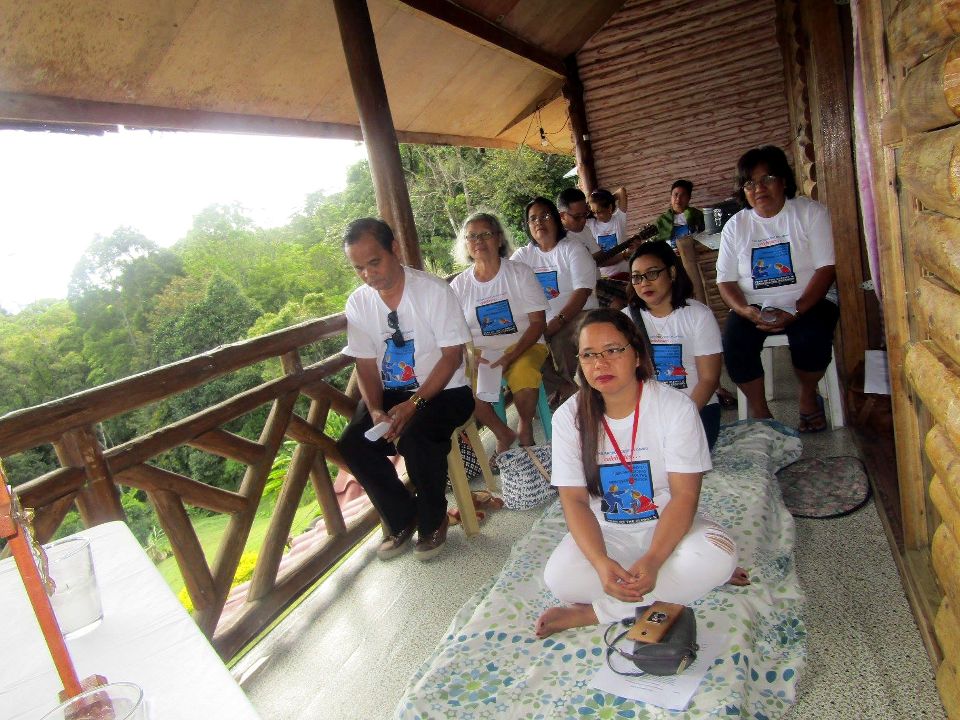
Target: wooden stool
x: 458, y: 474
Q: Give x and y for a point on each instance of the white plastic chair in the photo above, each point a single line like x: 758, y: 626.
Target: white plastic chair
x: 829, y: 385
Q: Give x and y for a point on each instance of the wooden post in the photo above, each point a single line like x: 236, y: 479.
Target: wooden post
x: 836, y: 179
x: 376, y: 122
x: 99, y: 499
x: 573, y: 93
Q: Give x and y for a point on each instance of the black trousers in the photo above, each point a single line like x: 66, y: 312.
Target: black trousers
x: 810, y: 337
x: 424, y: 445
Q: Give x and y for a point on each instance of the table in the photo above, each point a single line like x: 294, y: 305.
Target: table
x: 146, y: 637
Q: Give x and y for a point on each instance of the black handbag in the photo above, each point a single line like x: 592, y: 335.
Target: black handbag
x: 671, y: 656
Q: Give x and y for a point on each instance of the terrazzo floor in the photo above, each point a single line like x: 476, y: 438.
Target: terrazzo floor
x: 347, y: 651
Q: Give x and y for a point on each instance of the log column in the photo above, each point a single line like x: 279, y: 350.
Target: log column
x: 573, y: 93
x: 98, y: 500
x: 376, y: 123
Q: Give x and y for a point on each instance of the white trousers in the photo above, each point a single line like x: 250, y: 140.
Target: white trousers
x: 704, y: 559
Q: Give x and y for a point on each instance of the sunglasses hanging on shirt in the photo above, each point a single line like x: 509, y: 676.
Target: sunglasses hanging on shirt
x: 394, y: 322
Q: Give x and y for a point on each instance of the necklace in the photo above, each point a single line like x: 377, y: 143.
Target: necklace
x: 633, y: 437
x: 659, y: 323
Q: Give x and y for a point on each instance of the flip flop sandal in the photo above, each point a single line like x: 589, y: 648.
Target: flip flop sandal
x: 485, y: 498
x: 813, y: 422
x: 454, y: 516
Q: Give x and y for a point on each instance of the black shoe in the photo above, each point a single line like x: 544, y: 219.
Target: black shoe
x: 397, y: 543
x: 431, y: 545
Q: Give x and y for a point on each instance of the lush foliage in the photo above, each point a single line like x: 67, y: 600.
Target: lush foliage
x: 133, y: 305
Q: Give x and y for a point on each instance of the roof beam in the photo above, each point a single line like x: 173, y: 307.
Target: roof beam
x: 20, y: 111
x: 479, y: 27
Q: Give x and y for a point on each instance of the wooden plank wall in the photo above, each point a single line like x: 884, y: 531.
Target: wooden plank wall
x: 672, y: 92
x: 914, y: 112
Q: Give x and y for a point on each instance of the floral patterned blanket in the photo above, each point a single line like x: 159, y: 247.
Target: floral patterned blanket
x: 491, y: 665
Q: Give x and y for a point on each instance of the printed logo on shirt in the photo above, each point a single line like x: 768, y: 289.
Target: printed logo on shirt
x: 772, y: 266
x: 548, y: 281
x: 668, y: 362
x: 607, y: 241
x: 626, y: 499
x: 397, y: 368
x: 496, y: 318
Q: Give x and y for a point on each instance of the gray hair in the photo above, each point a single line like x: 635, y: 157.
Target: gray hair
x: 461, y: 251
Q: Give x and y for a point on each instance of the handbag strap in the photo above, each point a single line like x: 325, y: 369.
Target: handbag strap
x: 612, y: 648
x: 536, y: 463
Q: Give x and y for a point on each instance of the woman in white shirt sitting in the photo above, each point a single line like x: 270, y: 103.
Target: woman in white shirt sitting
x: 684, y: 334
x: 628, y: 459
x: 505, y: 310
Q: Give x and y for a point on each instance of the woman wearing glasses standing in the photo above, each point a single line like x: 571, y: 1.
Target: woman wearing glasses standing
x: 504, y: 308
x: 776, y: 272
x: 629, y: 455
x: 568, y: 276
x: 684, y: 334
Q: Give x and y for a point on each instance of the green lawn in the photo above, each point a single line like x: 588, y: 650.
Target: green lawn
x: 210, y: 531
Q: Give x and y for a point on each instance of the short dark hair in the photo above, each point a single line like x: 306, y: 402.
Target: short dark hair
x: 681, y: 289
x: 685, y: 184
x: 776, y: 161
x: 554, y: 213
x: 603, y: 198
x: 569, y: 196
x: 369, y: 226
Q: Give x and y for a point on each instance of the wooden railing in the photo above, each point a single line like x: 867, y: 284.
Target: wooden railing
x: 89, y: 474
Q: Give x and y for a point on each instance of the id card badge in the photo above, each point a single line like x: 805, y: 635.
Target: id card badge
x: 496, y: 318
x: 626, y: 498
x: 772, y: 266
x: 397, y: 369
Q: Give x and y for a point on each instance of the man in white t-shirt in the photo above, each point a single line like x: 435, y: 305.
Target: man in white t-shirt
x: 407, y: 333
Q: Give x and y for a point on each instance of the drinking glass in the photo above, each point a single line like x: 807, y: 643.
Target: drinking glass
x: 76, y: 599
x: 125, y: 698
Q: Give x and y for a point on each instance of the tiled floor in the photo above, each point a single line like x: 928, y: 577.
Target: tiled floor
x: 348, y: 650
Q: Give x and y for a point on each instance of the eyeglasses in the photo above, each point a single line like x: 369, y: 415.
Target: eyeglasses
x: 589, y: 357
x: 474, y: 237
x: 766, y: 181
x: 649, y: 276
x: 394, y: 322
x: 539, y: 219
x: 578, y: 216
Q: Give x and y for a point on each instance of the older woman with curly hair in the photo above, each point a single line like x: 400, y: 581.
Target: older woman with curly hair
x: 776, y: 272
x: 505, y: 310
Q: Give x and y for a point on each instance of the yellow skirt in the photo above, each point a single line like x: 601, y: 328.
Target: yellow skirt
x: 525, y: 373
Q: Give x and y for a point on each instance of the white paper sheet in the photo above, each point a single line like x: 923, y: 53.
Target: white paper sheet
x: 488, y: 379
x: 672, y: 692
x: 377, y: 431
x: 876, y: 372
x: 711, y: 241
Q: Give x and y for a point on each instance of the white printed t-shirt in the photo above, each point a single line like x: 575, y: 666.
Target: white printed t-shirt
x: 496, y: 311
x: 585, y: 238
x: 430, y: 319
x: 670, y: 438
x: 566, y: 268
x: 608, y: 234
x: 773, y: 259
x: 678, y: 339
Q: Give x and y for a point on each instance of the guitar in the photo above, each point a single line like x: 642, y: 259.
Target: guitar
x: 644, y: 233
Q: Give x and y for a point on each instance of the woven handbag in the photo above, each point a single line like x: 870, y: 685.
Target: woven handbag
x: 471, y: 465
x: 525, y: 477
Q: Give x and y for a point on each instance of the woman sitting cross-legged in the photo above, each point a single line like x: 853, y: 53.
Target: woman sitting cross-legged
x: 505, y: 310
x: 629, y: 454
x: 684, y: 334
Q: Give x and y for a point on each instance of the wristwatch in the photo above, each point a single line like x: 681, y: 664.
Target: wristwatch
x: 418, y: 402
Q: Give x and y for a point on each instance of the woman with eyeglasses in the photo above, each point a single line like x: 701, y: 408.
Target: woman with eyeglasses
x: 568, y: 276
x: 629, y: 455
x: 505, y: 311
x: 683, y: 333
x: 776, y: 272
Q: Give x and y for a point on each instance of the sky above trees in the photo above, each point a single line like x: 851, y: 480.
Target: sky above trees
x: 58, y: 192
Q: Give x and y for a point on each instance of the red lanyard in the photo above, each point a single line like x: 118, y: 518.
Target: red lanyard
x: 633, y: 437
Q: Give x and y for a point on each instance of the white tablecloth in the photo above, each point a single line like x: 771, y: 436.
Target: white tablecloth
x: 146, y: 637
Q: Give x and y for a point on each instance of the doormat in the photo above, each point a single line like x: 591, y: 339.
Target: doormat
x: 823, y: 488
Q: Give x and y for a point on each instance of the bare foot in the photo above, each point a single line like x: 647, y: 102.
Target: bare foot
x: 739, y: 577
x: 505, y: 440
x: 563, y: 618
